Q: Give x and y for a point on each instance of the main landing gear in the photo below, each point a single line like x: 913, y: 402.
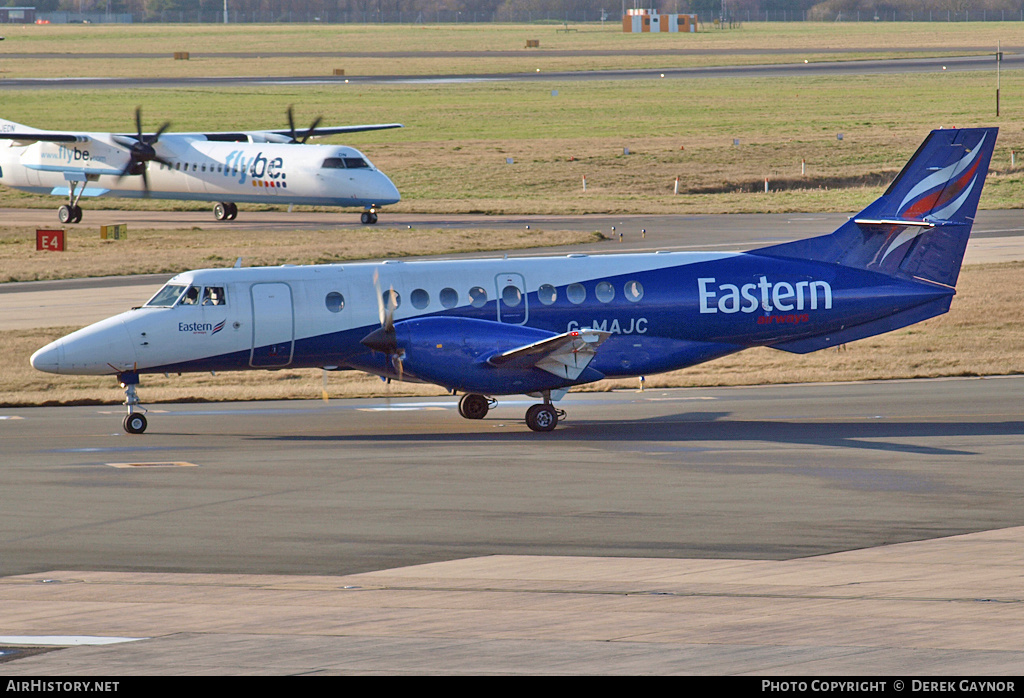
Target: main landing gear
x: 134, y: 422
x: 71, y: 212
x: 473, y: 406
x: 225, y: 211
x: 542, y: 417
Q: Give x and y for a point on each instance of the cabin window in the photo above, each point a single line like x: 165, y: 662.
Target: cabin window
x: 547, y: 294
x: 576, y: 293
x: 420, y: 299
x: 605, y: 292
x: 204, y: 168
x: 449, y: 297
x: 392, y: 299
x: 166, y: 296
x: 477, y: 297
x: 214, y: 295
x: 335, y: 302
x: 511, y: 296
x: 634, y: 291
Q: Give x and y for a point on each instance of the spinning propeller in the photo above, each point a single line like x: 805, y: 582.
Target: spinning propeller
x: 141, y: 150
x: 384, y: 339
x: 309, y: 132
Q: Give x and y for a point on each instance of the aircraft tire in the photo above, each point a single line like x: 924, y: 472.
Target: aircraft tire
x: 65, y: 214
x: 76, y: 214
x: 473, y: 406
x: 232, y: 211
x: 222, y: 211
x: 135, y: 423
x: 541, y: 418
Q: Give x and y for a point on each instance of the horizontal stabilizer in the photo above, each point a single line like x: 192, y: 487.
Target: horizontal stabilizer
x: 884, y: 222
x: 565, y: 355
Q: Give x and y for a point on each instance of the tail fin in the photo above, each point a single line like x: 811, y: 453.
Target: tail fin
x: 918, y: 228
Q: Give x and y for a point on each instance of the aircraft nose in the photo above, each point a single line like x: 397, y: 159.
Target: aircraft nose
x: 48, y: 358
x: 387, y: 191
x: 98, y: 349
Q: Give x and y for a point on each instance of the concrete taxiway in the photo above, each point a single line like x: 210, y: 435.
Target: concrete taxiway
x: 836, y: 68
x: 869, y: 528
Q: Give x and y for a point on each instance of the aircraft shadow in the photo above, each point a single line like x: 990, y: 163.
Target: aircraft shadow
x: 706, y: 429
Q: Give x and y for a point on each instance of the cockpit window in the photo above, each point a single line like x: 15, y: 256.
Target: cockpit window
x: 191, y: 296
x: 345, y: 163
x: 166, y: 296
x: 214, y: 295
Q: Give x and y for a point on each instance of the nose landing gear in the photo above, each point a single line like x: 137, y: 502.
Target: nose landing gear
x: 134, y: 422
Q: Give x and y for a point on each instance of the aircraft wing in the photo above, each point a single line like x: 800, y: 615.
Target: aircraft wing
x: 28, y: 137
x: 321, y: 131
x: 565, y: 355
x: 275, y: 136
x: 285, y: 135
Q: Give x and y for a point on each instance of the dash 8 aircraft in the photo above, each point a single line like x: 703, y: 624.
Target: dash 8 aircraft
x: 259, y: 167
x: 539, y: 326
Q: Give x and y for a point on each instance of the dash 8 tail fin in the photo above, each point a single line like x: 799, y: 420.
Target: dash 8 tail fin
x: 917, y: 229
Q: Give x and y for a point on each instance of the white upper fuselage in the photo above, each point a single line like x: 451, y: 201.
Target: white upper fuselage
x: 201, y: 169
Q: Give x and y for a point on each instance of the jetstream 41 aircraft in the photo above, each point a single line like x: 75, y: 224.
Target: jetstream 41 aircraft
x: 542, y: 325
x: 246, y: 166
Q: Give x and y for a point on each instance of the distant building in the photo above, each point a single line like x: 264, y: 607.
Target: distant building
x: 637, y: 21
x: 17, y: 15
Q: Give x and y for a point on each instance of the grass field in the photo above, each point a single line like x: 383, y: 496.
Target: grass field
x: 452, y: 158
x: 349, y: 39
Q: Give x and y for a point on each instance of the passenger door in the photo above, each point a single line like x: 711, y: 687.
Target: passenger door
x: 273, y: 325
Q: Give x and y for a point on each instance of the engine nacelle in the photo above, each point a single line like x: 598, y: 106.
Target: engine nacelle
x: 453, y: 352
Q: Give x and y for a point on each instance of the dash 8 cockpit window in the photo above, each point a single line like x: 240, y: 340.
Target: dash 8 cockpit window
x: 167, y: 296
x: 345, y: 164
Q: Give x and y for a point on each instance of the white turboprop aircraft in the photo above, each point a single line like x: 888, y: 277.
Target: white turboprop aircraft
x: 224, y: 167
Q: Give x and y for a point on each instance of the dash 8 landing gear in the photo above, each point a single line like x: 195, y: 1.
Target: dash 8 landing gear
x: 369, y: 216
x: 225, y: 211
x: 134, y: 422
x: 71, y: 212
